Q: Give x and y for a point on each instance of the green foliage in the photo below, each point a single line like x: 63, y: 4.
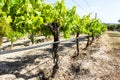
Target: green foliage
x: 59, y: 13
x: 31, y: 16
x: 69, y: 22
x: 96, y: 27
x: 4, y: 25
x: 80, y: 25
x: 25, y: 16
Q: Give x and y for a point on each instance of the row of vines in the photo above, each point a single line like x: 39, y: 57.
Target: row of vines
x: 36, y: 17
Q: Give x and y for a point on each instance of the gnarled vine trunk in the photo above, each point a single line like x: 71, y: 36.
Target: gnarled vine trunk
x: 1, y: 40
x: 88, y: 42
x: 32, y: 38
x: 92, y: 38
x: 11, y: 46
x: 77, y: 43
x: 55, y: 31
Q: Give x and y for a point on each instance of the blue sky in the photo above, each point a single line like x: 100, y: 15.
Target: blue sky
x: 107, y: 10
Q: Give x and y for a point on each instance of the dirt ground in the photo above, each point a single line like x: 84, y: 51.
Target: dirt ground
x: 101, y: 61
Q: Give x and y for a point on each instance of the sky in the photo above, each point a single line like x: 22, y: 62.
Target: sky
x: 108, y: 11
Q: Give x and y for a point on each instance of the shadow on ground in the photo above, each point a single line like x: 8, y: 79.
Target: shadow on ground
x: 19, y: 63
x: 16, y: 66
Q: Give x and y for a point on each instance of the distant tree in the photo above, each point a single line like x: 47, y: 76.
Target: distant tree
x: 119, y: 20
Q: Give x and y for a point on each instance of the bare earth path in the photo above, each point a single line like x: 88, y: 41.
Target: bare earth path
x: 101, y: 61
x: 115, y: 52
